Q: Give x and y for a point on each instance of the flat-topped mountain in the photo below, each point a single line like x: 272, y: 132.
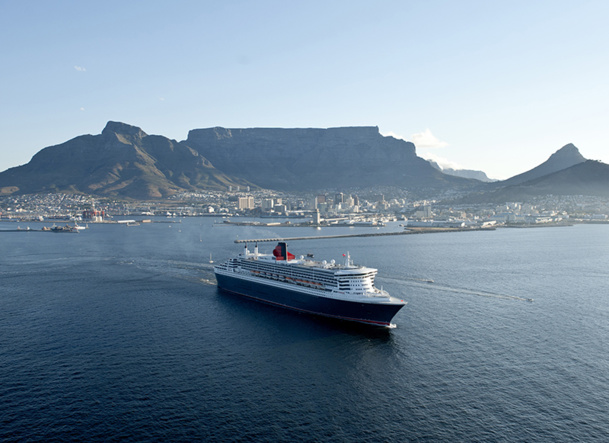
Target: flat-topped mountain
x: 125, y: 161
x: 309, y: 159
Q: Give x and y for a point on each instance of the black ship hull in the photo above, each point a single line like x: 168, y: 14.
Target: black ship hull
x: 378, y: 314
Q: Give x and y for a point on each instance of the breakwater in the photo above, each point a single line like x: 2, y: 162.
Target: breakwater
x: 375, y: 234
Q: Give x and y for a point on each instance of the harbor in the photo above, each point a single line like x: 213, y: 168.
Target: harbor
x: 77, y: 228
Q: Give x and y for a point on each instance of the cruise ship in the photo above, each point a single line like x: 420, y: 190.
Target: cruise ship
x: 341, y: 291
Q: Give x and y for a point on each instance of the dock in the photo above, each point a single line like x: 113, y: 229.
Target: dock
x: 375, y: 234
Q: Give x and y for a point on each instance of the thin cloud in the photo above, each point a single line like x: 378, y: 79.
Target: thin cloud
x: 426, y: 139
x: 394, y: 135
x: 80, y: 68
x: 444, y: 163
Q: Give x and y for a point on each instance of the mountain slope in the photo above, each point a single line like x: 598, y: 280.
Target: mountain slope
x: 465, y: 173
x: 122, y: 161
x: 587, y: 178
x: 309, y: 159
x: 565, y: 157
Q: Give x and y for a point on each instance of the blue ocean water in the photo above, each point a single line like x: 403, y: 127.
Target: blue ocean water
x: 119, y: 333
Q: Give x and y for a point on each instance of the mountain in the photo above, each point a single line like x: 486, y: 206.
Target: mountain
x: 586, y: 178
x: 122, y: 161
x: 310, y: 158
x: 468, y: 173
x: 565, y: 157
x: 465, y: 173
x: 566, y: 172
x: 125, y: 161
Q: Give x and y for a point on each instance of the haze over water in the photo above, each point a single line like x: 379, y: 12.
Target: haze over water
x: 120, y: 333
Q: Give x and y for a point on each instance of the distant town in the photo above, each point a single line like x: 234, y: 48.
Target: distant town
x: 321, y: 209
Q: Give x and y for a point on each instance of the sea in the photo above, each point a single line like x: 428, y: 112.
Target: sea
x: 119, y: 333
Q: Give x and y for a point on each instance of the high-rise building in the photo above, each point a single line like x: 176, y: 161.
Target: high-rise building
x: 267, y: 204
x: 246, y: 203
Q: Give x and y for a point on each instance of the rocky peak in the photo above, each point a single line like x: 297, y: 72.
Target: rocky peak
x: 568, y: 154
x: 124, y: 132
x: 564, y: 158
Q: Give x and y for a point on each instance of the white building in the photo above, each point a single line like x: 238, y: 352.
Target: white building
x: 246, y: 202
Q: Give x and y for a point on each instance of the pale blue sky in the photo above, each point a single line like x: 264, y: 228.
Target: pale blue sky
x: 496, y: 86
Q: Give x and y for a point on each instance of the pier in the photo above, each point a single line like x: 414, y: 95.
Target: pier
x: 375, y: 234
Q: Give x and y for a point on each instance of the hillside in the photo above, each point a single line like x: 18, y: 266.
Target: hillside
x: 586, y: 178
x: 122, y: 161
x: 465, y: 173
x: 565, y: 157
x: 309, y: 159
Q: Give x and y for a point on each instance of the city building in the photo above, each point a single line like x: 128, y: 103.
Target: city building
x: 246, y: 202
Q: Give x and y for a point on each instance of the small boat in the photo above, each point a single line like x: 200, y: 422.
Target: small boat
x: 66, y: 228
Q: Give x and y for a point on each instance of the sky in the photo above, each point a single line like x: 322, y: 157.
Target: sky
x: 485, y: 85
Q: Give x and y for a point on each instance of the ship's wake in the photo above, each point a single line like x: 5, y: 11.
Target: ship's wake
x: 189, y: 271
x: 429, y: 284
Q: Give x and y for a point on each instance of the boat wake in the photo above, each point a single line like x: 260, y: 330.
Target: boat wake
x: 190, y: 271
x: 429, y: 284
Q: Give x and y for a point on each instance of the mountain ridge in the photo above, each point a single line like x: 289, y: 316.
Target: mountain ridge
x: 589, y: 177
x: 465, y: 173
x: 121, y: 161
x: 563, y: 158
x: 124, y: 161
x: 312, y: 158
